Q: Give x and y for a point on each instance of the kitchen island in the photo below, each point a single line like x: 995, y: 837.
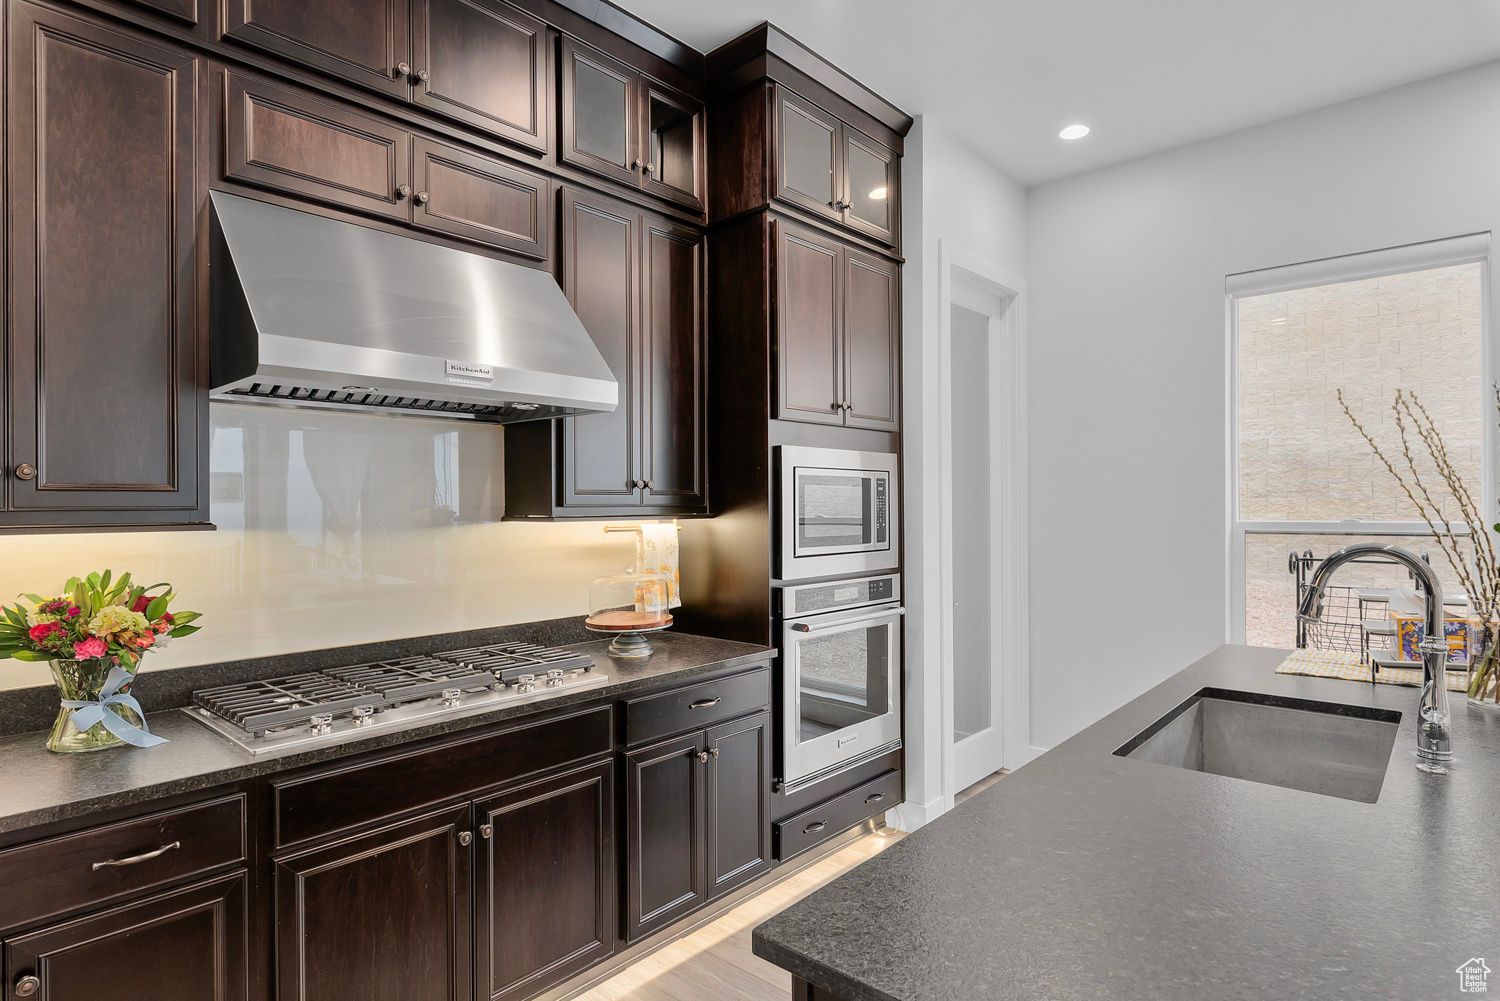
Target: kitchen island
x: 1089, y: 875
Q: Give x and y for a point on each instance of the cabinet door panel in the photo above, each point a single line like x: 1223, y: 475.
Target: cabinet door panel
x: 488, y: 64
x: 873, y: 352
x: 739, y: 794
x: 105, y: 351
x: 664, y: 834
x: 288, y: 141
x: 361, y: 41
x: 184, y: 10
x: 873, y: 198
x: 809, y: 307
x: 479, y: 198
x: 382, y: 916
x: 671, y: 410
x: 598, y: 114
x: 600, y: 452
x: 672, y: 126
x: 807, y: 155
x: 185, y: 945
x: 547, y: 882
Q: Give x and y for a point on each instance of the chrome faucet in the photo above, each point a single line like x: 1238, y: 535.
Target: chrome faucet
x: 1434, y: 736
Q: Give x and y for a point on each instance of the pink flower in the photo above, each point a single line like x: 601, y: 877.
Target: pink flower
x: 90, y: 648
x: 73, y: 611
x: 43, y: 630
x: 145, y: 639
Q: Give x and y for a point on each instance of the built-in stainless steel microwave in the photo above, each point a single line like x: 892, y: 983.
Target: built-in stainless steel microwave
x: 838, y: 512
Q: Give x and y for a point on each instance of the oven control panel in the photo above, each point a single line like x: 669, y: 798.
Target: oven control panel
x: 809, y: 599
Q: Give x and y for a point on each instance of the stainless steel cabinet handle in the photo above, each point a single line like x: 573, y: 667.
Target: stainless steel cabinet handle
x: 25, y: 471
x: 705, y: 703
x: 464, y: 837
x: 132, y: 860
x: 403, y: 190
x: 814, y: 828
x: 702, y: 755
x: 487, y: 829
x: 423, y: 197
x: 875, y: 797
x: 403, y: 69
x: 26, y: 986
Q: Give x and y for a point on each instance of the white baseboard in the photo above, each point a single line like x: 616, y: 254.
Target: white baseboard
x: 910, y: 816
x: 1035, y: 752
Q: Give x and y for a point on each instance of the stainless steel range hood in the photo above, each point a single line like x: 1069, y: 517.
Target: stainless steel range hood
x: 309, y: 311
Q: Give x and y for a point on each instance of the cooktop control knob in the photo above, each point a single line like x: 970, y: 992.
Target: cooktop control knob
x: 322, y: 723
x: 526, y: 683
x: 554, y: 678
x: 362, y: 715
x: 452, y: 697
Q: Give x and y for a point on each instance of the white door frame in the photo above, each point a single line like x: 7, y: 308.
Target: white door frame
x: 1008, y: 493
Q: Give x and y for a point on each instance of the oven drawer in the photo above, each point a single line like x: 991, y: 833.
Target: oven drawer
x: 797, y: 834
x: 696, y: 706
x: 97, y: 865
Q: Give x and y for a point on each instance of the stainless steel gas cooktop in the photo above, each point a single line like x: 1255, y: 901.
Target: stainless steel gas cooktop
x: 342, y: 704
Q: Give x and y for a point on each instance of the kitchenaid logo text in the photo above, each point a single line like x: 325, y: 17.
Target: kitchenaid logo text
x: 468, y: 370
x: 1473, y: 977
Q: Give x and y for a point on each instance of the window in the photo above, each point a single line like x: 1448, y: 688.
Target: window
x: 1301, y: 476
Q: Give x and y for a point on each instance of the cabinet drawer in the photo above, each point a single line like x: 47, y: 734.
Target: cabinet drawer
x: 310, y: 806
x: 827, y: 820
x: 696, y: 706
x: 289, y: 141
x: 74, y: 870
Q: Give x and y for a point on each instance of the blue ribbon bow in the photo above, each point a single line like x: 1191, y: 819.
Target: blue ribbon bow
x: 102, y: 711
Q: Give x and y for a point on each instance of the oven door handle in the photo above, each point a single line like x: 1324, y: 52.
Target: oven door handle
x: 818, y: 626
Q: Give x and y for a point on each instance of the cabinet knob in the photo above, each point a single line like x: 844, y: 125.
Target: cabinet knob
x: 486, y: 830
x: 26, y: 986
x: 637, y: 163
x: 423, y: 197
x: 838, y: 405
x: 714, y: 751
x: 464, y: 837
x: 702, y: 755
x: 650, y: 484
x: 403, y: 190
x: 650, y: 168
x: 403, y: 69
x: 423, y: 75
x: 25, y: 471
x: 639, y: 484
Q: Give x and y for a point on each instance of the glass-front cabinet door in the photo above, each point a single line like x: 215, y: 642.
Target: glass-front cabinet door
x: 673, y: 129
x: 807, y: 155
x: 870, y: 203
x: 599, y: 119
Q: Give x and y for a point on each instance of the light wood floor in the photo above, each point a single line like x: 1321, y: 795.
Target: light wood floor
x: 715, y: 961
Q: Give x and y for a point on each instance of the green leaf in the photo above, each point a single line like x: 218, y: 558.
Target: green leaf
x: 35, y: 599
x: 104, y: 581
x: 33, y: 655
x: 16, y: 618
x: 93, y: 581
x: 183, y: 618
x: 184, y: 631
x: 156, y: 608
x: 71, y: 585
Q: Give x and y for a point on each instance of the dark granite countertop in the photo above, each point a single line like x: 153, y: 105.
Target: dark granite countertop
x: 39, y: 787
x: 1085, y: 875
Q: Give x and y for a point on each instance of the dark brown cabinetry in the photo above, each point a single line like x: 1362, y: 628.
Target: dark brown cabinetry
x: 546, y: 881
x: 183, y: 10
x: 383, y: 915
x: 821, y: 164
x: 184, y: 945
x: 837, y: 331
x: 697, y: 806
x: 480, y: 62
x: 287, y: 140
x: 107, y: 417
x: 636, y: 281
x: 621, y: 124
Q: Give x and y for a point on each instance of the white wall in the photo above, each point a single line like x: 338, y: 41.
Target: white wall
x: 949, y: 194
x: 1126, y: 269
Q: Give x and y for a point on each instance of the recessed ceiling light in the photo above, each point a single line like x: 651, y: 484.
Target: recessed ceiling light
x: 878, y: 193
x: 1074, y: 132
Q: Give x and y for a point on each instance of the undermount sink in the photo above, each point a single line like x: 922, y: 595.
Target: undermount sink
x: 1320, y: 747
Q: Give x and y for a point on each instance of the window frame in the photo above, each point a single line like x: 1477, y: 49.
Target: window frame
x: 1468, y: 249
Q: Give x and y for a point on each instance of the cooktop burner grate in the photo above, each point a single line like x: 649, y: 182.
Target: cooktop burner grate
x: 412, y: 677
x: 508, y: 661
x: 262, y: 705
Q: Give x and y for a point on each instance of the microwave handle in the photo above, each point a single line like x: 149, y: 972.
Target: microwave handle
x: 817, y: 627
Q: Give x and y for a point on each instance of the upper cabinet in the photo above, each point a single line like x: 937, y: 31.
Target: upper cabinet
x: 620, y: 124
x: 105, y: 390
x: 825, y: 166
x: 480, y: 62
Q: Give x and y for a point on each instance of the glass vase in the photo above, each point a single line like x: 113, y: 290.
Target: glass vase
x: 82, y: 681
x: 1484, y: 669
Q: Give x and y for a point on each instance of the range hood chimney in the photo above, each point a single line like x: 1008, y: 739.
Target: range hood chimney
x: 309, y: 311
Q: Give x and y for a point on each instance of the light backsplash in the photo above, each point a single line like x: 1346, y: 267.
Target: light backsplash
x: 334, y: 529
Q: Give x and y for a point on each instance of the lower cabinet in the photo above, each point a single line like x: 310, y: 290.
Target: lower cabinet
x: 382, y: 916
x: 545, y: 882
x: 697, y: 820
x: 183, y: 945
